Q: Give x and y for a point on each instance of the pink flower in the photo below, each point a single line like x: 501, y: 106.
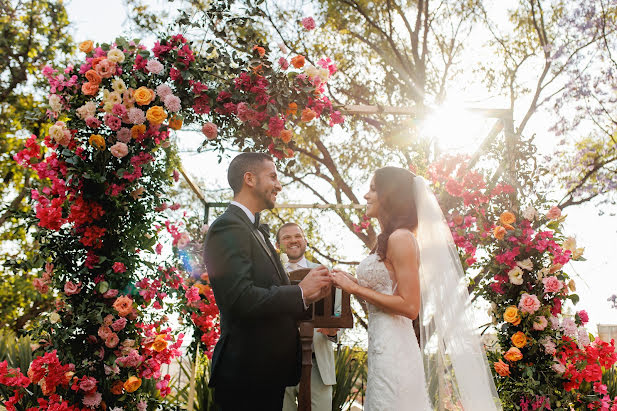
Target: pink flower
x: 41, y: 285
x: 119, y: 324
x: 112, y: 340
x: 124, y: 135
x: 210, y: 130
x: 308, y: 23
x: 119, y: 110
x: 163, y: 91
x: 154, y: 66
x: 87, y: 384
x: 554, y: 213
x: 71, y: 288
x: 111, y: 293
x: 118, y: 267
x: 136, y: 115
x: 104, y: 332
x: 119, y: 150
x: 183, y: 240
x: 600, y: 388
x: 540, y: 323
x: 93, y: 122
x: 582, y: 314
x: 172, y: 103
x: 529, y: 303
x: 552, y: 284
x: 283, y: 63
x: 192, y: 294
x: 92, y: 400
x: 158, y: 248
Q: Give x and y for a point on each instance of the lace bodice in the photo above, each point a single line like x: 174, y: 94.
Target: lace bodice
x: 395, y: 368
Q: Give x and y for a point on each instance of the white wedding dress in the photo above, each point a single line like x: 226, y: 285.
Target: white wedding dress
x: 395, y: 367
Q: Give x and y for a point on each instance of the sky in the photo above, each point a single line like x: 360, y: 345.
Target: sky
x: 598, y: 234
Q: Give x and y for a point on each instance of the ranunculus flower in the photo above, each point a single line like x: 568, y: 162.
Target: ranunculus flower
x: 86, y: 46
x: 308, y: 23
x: 285, y: 136
x: 554, y: 213
x: 552, y: 284
x: 308, y: 115
x: 513, y: 354
x: 113, y: 122
x: 511, y: 315
x: 529, y: 303
x: 118, y: 85
x: 119, y: 324
x: 502, y: 368
x: 540, y: 323
x: 112, y: 340
x: 530, y: 213
x: 123, y: 305
x: 143, y: 96
x: 499, y: 232
x: 104, y: 332
x: 89, y: 89
x: 93, y: 77
x: 297, y: 61
x: 124, y: 135
x: 175, y: 123
x: 97, y: 141
x: 154, y: 66
x: 156, y: 115
x: 106, y: 68
x: 210, y: 130
x: 71, y: 288
x: 519, y: 339
x: 132, y: 384
x: 516, y: 276
x: 55, y: 103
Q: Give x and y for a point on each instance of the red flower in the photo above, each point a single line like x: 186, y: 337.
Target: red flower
x: 118, y: 267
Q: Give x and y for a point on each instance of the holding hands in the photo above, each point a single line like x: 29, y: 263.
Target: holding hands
x: 316, y: 284
x: 344, y: 280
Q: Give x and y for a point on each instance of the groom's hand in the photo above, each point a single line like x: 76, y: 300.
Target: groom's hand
x: 316, y: 284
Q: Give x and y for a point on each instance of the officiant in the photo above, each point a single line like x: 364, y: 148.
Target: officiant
x: 291, y: 239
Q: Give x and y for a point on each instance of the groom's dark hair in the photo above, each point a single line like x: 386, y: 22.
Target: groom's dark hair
x: 242, y: 164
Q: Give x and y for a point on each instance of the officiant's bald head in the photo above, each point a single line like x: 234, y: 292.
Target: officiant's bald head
x: 242, y: 164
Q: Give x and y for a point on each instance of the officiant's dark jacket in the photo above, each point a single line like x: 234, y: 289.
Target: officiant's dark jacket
x: 259, y: 342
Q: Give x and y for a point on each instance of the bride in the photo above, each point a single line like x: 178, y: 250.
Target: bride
x: 414, y: 270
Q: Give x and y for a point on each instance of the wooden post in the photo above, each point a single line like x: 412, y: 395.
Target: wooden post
x: 306, y: 340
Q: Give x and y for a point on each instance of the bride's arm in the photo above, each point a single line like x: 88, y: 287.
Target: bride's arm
x: 404, y: 259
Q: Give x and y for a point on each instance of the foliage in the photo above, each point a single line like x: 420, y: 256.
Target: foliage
x: 204, y: 395
x: 351, y: 370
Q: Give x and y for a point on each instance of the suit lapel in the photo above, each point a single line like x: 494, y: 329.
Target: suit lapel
x: 262, y: 242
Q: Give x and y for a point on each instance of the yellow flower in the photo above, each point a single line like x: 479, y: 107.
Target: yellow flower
x: 143, y: 96
x: 519, y: 339
x: 132, y: 384
x: 511, y: 315
x: 97, y: 141
x: 86, y: 46
x: 156, y: 115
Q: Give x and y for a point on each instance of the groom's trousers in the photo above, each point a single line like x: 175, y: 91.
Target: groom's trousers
x: 248, y: 398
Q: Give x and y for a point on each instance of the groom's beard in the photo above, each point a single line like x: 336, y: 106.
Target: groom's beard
x: 265, y: 196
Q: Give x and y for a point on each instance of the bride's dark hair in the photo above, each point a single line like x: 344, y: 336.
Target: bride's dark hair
x: 395, y: 189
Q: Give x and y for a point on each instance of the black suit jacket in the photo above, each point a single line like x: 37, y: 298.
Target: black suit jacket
x: 259, y: 342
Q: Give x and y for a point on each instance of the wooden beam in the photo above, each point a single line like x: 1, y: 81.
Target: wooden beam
x: 363, y: 109
x: 192, y: 185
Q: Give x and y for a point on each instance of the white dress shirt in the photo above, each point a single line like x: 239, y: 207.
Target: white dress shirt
x: 301, y: 264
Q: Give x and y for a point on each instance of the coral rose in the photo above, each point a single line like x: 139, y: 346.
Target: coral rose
x: 292, y: 109
x: 286, y: 136
x: 117, y: 387
x: 307, y: 115
x: 159, y: 343
x: 499, y: 232
x: 97, y: 141
x: 119, y: 150
x: 502, y: 368
x: 513, y: 354
x: 71, y: 288
x: 554, y: 213
x: 93, y: 77
x: 132, y: 384
x: 552, y: 284
x: 298, y: 61
x: 89, y: 89
x: 507, y: 218
x: 143, y: 96
x: 529, y: 303
x: 519, y: 339
x: 175, y: 123
x: 210, y: 130
x: 512, y: 316
x: 156, y: 115
x: 86, y: 46
x: 124, y: 305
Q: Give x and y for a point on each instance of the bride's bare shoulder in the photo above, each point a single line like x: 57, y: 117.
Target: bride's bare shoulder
x: 402, y: 240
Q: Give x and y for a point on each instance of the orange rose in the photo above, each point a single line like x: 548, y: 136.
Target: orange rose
x: 499, y: 232
x: 159, y: 343
x: 519, y: 339
x: 86, y: 46
x: 308, y: 115
x: 289, y: 153
x: 97, y: 141
x: 175, y: 123
x: 286, y: 136
x: 292, y: 108
x: 132, y: 384
x: 95, y: 61
x: 117, y: 387
x: 137, y: 130
x: 124, y: 306
x: 507, y: 218
x: 89, y: 89
x: 513, y: 354
x: 502, y: 368
x: 260, y: 50
x: 297, y: 61
x: 93, y: 77
x: 512, y: 316
x: 156, y: 115
x: 457, y: 219
x: 143, y: 96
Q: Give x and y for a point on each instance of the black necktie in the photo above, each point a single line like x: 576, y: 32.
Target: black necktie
x: 256, y: 222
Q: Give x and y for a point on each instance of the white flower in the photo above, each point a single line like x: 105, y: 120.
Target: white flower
x: 115, y: 55
x: 576, y: 254
x: 87, y: 110
x: 530, y: 213
x: 118, y: 85
x: 516, y: 276
x: 324, y: 74
x: 525, y: 264
x: 284, y: 260
x: 311, y: 70
x: 56, y: 131
x: 543, y: 273
x: 569, y: 244
x: 283, y: 48
x: 55, y: 103
x: 54, y: 317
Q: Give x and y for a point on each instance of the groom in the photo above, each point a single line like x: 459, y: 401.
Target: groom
x: 258, y: 353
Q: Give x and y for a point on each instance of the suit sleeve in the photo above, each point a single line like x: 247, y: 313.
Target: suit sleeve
x: 227, y: 256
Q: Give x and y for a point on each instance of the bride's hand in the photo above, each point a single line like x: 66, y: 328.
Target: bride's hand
x: 343, y: 280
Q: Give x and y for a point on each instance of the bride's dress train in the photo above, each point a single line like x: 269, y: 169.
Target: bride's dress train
x: 395, y: 367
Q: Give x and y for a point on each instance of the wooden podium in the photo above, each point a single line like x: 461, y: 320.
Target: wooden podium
x: 320, y: 314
